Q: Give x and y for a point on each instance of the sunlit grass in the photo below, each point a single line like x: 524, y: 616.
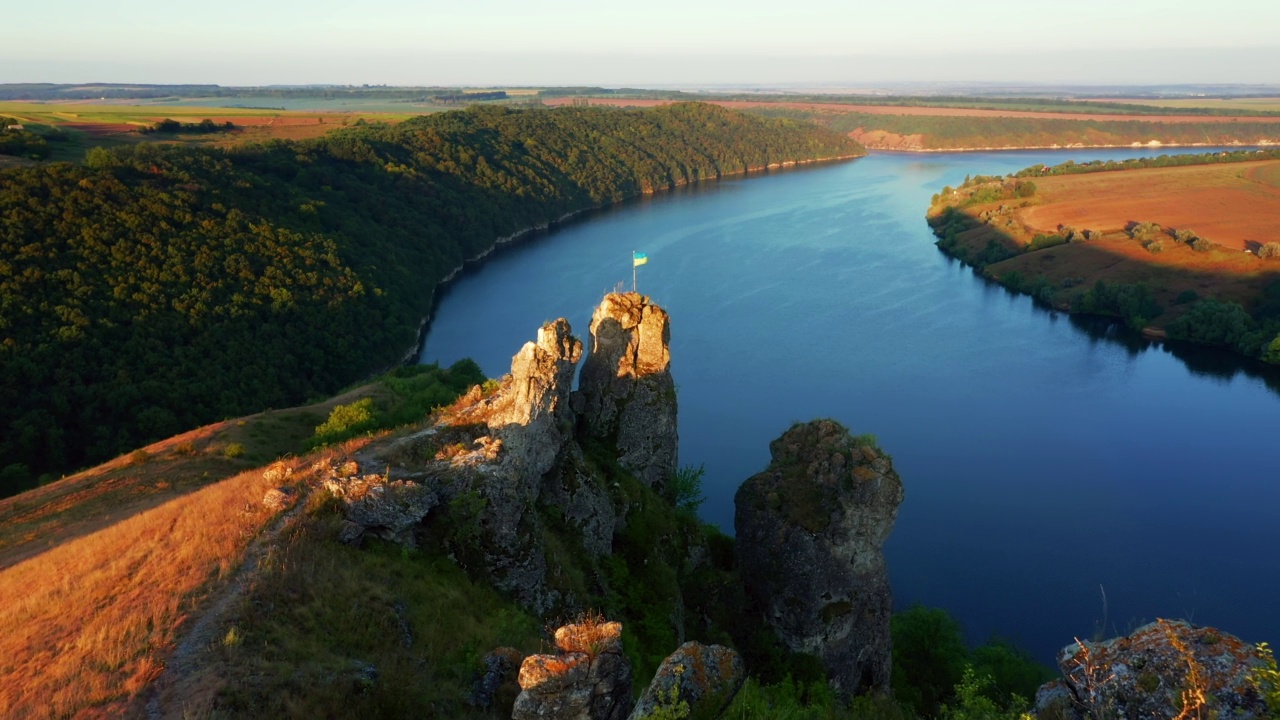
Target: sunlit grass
x: 84, y: 627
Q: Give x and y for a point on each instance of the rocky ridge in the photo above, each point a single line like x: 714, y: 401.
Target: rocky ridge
x: 490, y: 467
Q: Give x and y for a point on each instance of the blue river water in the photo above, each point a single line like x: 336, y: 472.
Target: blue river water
x: 1061, y: 476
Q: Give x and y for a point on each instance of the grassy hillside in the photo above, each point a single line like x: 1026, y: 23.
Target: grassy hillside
x: 156, y: 289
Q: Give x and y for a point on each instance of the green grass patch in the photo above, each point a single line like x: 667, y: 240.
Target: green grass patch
x: 382, y: 631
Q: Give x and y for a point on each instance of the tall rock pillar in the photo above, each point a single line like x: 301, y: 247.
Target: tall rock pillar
x: 810, y: 530
x: 626, y: 386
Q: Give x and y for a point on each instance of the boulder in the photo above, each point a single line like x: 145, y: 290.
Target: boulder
x: 628, y: 394
x: 810, y: 529
x: 1166, y: 669
x: 589, y: 679
x: 705, y: 677
x: 387, y: 508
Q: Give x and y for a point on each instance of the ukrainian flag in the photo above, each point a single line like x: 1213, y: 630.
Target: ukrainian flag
x: 638, y: 259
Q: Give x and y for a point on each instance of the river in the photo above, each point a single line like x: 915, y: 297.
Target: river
x: 1061, y: 477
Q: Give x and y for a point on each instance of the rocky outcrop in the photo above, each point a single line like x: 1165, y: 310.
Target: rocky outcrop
x: 530, y: 412
x: 1159, y: 671
x: 589, y: 679
x: 504, y: 461
x: 628, y: 394
x: 810, y: 530
x: 374, y: 504
x: 480, y: 470
x: 705, y: 677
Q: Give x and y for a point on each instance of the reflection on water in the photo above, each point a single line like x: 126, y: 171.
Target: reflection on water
x: 1043, y: 456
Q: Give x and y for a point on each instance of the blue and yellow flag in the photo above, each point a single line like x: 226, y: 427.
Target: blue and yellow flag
x: 639, y: 259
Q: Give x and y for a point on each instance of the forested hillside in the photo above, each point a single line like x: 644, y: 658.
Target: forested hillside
x: 158, y: 288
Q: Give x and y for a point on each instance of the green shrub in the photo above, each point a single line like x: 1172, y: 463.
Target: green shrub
x: 973, y: 701
x: 1266, y: 678
x: 1134, y: 304
x: 1202, y: 245
x: 686, y: 488
x: 233, y: 450
x: 1011, y: 669
x: 1042, y: 241
x: 346, y: 421
x: 1225, y: 324
x: 1269, y: 251
x: 929, y: 657
x: 785, y: 700
x: 1186, y: 296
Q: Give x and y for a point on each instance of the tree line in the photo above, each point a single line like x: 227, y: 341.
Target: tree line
x: 156, y: 287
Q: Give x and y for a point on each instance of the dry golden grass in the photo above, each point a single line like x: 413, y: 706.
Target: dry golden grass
x: 589, y: 633
x: 46, y: 517
x: 85, y: 626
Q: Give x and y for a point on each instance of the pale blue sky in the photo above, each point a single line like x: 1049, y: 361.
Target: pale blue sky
x: 496, y: 42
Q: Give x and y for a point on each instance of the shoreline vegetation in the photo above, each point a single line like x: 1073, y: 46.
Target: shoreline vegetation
x: 1175, y: 247
x: 158, y: 288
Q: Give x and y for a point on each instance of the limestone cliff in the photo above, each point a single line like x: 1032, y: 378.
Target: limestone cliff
x: 810, y: 530
x: 628, y: 394
x: 492, y: 469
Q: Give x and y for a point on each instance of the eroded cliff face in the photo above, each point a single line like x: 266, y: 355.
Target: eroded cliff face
x: 809, y: 534
x: 629, y: 397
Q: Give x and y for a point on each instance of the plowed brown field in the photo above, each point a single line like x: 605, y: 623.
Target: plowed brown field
x: 1235, y: 205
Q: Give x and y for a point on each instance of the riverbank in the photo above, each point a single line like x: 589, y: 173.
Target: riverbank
x: 1187, y: 252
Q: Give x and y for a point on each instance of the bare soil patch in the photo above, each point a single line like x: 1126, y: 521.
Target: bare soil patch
x: 101, y: 129
x: 1236, y: 205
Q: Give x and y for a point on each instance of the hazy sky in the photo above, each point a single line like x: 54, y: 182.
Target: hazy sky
x: 497, y: 42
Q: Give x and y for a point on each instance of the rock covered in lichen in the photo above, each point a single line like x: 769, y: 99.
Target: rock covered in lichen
x: 1158, y: 671
x: 378, y: 505
x: 809, y: 534
x: 706, y: 677
x: 588, y: 679
x: 628, y: 393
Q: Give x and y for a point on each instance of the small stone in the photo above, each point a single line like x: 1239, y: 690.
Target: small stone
x: 277, y: 499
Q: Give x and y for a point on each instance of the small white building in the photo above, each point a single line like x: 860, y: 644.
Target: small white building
x: 14, y: 127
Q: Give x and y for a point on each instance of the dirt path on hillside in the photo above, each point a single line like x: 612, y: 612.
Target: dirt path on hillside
x: 173, y: 686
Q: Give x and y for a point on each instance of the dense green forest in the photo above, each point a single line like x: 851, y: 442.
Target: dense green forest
x: 942, y: 132
x: 157, y: 288
x: 1071, y: 167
